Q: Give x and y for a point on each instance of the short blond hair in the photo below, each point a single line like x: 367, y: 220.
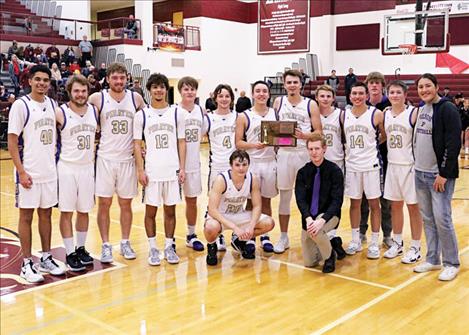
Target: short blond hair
x: 315, y: 137
x: 324, y: 87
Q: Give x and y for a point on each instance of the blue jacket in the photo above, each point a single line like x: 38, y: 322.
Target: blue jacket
x: 446, y: 137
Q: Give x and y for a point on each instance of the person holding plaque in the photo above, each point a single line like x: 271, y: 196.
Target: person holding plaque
x: 263, y: 163
x: 305, y: 112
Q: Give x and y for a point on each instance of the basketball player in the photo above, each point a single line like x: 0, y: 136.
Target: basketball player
x: 220, y: 129
x: 115, y: 164
x: 226, y: 205
x: 376, y: 86
x: 305, y: 112
x: 332, y: 130
x: 194, y: 119
x: 161, y: 127
x: 399, y: 122
x: 362, y: 165
x: 77, y: 122
x: 31, y: 143
x: 263, y: 163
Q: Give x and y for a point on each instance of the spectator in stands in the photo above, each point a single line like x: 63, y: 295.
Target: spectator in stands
x: 56, y: 74
x: 64, y: 72
x: 131, y: 28
x: 28, y: 25
x: 13, y: 50
x: 86, y: 49
x: 333, y: 81
x: 15, y: 69
x: 88, y: 69
x: 464, y: 113
x: 53, y: 55
x: 137, y: 88
x: 350, y: 79
x: 102, y: 72
x: 446, y: 94
x: 24, y: 79
x: 41, y: 59
x: 94, y: 84
x: 68, y: 56
x: 6, y: 96
x: 304, y: 78
x: 243, y: 102
x: 29, y: 53
x: 37, y: 51
x: 459, y: 100
x: 62, y: 95
x: 75, y: 66
x: 210, y: 103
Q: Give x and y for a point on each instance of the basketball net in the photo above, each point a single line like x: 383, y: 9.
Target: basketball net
x: 407, y: 51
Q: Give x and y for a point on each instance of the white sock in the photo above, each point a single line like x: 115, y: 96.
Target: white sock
x: 356, y: 234
x: 68, y: 243
x: 152, y: 241
x: 397, y: 238
x: 415, y: 243
x: 466, y: 150
x: 374, y: 237
x: 107, y: 244
x: 124, y: 241
x: 332, y: 233
x: 190, y: 229
x: 26, y: 260
x: 45, y: 254
x: 168, y: 242
x: 284, y: 235
x: 81, y: 238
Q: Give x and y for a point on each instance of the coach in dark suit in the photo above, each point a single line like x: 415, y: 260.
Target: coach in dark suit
x: 319, y: 191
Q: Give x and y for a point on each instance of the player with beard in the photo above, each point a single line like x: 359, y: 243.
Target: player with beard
x: 77, y: 122
x: 115, y: 164
x: 263, y: 164
x: 305, y: 112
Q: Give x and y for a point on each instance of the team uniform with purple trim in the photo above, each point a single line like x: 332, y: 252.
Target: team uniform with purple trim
x: 362, y: 162
x: 161, y: 129
x: 263, y: 163
x: 233, y: 201
x: 76, y: 160
x: 400, y: 175
x: 115, y: 164
x: 194, y: 121
x: 220, y: 130
x: 333, y: 133
x: 34, y: 123
x: 291, y: 159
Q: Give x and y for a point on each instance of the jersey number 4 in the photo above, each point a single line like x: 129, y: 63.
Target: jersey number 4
x: 227, y: 142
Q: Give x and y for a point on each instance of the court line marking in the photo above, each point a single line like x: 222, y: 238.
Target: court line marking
x: 81, y: 315
x: 375, y: 301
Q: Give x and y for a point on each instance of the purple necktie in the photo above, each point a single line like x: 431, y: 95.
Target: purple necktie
x: 315, y: 197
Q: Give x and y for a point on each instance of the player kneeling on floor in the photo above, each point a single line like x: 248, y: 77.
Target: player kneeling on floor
x: 319, y: 192
x: 226, y: 209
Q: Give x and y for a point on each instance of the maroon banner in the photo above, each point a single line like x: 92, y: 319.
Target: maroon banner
x: 169, y: 38
x: 282, y: 26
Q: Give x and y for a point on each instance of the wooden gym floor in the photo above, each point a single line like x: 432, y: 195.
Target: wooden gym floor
x: 273, y: 294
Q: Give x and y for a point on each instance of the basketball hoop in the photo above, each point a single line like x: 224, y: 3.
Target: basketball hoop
x: 408, y: 49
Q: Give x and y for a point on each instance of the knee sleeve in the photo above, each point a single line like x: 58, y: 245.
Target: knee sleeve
x: 285, y: 199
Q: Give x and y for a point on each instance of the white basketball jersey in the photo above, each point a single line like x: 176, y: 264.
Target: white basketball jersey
x: 361, y: 136
x: 116, y: 121
x: 77, y: 135
x: 193, y: 122
x: 299, y: 113
x: 332, y: 133
x: 399, y: 131
x: 233, y: 201
x: 253, y: 134
x: 221, y: 136
x: 38, y: 138
x: 161, y: 140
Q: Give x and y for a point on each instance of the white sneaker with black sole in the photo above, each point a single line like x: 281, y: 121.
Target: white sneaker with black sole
x: 50, y: 266
x: 29, y: 273
x: 394, y: 251
x: 411, y: 256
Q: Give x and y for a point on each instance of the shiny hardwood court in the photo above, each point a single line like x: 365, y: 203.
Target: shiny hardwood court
x: 273, y: 294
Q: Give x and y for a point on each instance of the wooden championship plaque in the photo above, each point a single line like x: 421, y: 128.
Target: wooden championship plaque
x: 278, y: 133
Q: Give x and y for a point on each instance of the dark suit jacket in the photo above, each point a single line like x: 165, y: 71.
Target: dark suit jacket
x: 331, y: 191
